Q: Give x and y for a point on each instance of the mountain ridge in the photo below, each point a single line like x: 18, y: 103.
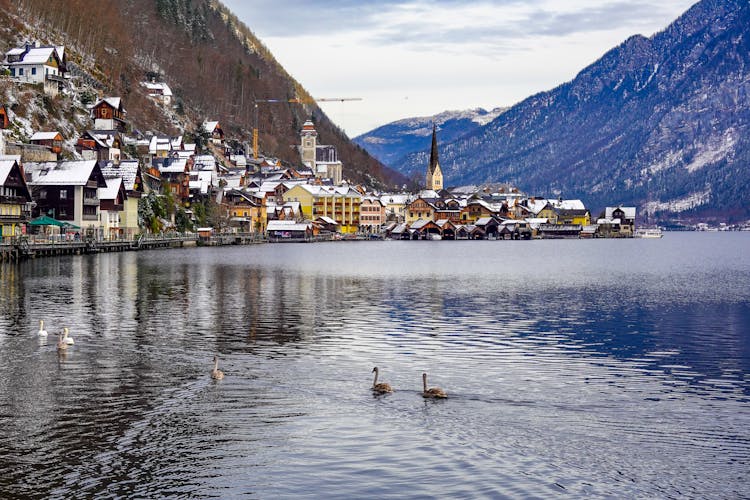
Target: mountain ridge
x: 659, y: 122
x: 213, y: 62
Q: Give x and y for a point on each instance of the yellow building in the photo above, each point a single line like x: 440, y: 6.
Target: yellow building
x: 420, y: 209
x: 14, y: 194
x: 341, y: 204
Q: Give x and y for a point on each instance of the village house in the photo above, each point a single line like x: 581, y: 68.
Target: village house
x: 159, y: 91
x: 175, y: 176
x: 420, y: 208
x: 371, y: 214
x: 342, y: 204
x: 130, y: 173
x: 15, y: 197
x: 214, y: 130
x: 111, y: 206
x: 246, y: 211
x: 51, y: 140
x: 100, y: 145
x: 38, y: 64
x: 395, y: 206
x: 109, y: 114
x: 67, y: 191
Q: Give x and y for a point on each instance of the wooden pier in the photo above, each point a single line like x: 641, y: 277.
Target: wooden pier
x: 25, y: 248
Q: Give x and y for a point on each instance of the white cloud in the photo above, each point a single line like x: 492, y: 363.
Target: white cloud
x: 414, y: 58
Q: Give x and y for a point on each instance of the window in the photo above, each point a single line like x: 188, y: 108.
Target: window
x: 63, y: 194
x: 20, y: 71
x: 33, y: 71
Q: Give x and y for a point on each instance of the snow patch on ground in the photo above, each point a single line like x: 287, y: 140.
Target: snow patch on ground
x: 688, y: 202
x: 714, y: 150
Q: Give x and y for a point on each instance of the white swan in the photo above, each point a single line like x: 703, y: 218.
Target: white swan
x: 68, y: 340
x: 432, y: 392
x: 381, y: 388
x: 42, y: 332
x: 216, y: 374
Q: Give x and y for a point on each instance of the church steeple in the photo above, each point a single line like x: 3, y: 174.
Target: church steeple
x: 434, y: 173
x: 434, y: 152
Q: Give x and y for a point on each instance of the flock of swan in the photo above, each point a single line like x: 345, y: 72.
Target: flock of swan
x: 64, y: 340
x: 377, y: 387
x: 383, y: 388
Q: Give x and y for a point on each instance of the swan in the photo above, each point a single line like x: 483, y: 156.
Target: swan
x: 68, y: 340
x: 216, y: 374
x: 61, y: 345
x: 432, y: 392
x: 381, y: 388
x: 42, y: 331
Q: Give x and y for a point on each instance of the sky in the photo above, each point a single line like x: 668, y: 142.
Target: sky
x: 407, y: 58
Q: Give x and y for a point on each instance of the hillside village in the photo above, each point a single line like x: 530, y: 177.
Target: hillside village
x: 117, y: 183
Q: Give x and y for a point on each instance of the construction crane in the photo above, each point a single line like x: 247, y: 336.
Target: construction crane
x: 296, y: 100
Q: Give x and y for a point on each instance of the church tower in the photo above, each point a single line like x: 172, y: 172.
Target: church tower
x: 434, y: 174
x: 308, y: 146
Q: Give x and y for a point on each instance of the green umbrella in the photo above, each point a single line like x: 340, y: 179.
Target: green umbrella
x: 45, y: 220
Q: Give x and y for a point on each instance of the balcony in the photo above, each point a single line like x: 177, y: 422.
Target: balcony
x: 91, y: 202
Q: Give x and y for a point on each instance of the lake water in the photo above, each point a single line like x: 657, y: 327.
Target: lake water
x: 599, y: 368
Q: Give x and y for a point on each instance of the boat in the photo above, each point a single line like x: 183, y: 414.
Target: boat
x: 648, y: 232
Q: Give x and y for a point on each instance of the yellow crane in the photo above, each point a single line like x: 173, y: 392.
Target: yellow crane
x: 296, y: 100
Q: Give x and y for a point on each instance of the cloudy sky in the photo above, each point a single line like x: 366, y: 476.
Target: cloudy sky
x: 409, y: 58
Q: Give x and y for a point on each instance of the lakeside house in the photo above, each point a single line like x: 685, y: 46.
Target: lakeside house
x: 15, y: 197
x: 67, y: 191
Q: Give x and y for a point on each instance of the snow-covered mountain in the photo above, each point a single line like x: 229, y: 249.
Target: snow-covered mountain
x: 662, y: 123
x: 392, y: 142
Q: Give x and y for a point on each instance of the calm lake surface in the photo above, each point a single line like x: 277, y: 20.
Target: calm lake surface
x: 599, y: 368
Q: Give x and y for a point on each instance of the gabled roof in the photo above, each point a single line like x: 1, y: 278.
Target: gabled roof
x: 44, y: 136
x: 127, y: 170
x: 628, y: 212
x: 115, y: 102
x: 35, y: 55
x: 173, y: 165
x: 6, y: 167
x: 112, y: 189
x: 63, y: 173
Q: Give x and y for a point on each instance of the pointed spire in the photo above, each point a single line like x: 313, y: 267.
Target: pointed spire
x: 434, y: 151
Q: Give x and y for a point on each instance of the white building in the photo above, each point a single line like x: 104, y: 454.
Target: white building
x: 34, y: 63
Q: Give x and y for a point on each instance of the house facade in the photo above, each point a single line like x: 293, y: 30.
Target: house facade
x: 38, y: 64
x: 14, y: 198
x: 67, y: 191
x: 371, y: 214
x: 342, y: 204
x: 109, y: 114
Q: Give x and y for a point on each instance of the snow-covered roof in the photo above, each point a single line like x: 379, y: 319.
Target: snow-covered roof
x: 64, y: 173
x: 36, y: 55
x: 44, y: 136
x: 394, y: 199
x: 204, y: 162
x: 286, y: 225
x: 113, y: 188
x: 115, y: 102
x: 175, y: 165
x: 327, y: 220
x: 5, y: 167
x: 209, y: 126
x: 158, y: 88
x: 127, y: 170
x: 628, y: 212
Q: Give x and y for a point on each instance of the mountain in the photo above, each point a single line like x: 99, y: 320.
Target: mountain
x: 392, y: 142
x: 213, y: 63
x: 661, y: 123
